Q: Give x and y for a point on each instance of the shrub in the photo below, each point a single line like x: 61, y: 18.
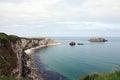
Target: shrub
x: 115, y: 75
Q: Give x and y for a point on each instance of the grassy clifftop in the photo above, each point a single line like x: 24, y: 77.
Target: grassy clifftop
x: 115, y: 75
x: 4, y: 36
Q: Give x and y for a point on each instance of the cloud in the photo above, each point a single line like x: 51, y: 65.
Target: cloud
x: 63, y: 29
x: 90, y: 10
x: 61, y: 17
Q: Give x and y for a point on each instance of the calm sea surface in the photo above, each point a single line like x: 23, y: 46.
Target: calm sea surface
x: 74, y: 62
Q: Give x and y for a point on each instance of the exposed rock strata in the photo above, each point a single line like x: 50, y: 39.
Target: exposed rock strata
x: 12, y: 54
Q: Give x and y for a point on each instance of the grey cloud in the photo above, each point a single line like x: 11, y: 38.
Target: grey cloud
x: 60, y: 17
x: 13, y: 1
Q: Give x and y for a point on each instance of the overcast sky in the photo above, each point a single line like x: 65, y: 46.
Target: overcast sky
x: 60, y: 17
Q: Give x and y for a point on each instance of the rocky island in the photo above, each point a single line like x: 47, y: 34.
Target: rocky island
x: 15, y: 56
x: 98, y: 40
x: 72, y: 43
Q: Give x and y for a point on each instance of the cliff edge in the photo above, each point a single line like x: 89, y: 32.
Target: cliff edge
x: 12, y: 57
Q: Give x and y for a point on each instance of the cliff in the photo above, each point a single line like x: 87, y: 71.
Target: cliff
x: 12, y: 56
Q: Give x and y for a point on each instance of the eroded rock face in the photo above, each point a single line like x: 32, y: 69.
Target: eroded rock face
x: 98, y: 40
x: 17, y: 49
x: 11, y: 54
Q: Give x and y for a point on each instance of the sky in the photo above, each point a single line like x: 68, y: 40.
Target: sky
x: 41, y: 18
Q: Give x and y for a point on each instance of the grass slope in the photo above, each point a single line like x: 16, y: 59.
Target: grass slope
x: 115, y: 75
x: 8, y: 59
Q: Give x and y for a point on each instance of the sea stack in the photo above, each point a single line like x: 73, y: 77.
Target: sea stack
x: 98, y: 40
x: 72, y: 43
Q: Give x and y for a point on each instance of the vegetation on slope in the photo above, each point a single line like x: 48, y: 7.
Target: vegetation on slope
x: 8, y: 78
x: 4, y: 36
x: 13, y: 37
x: 23, y: 63
x: 115, y: 75
x: 37, y: 38
x: 8, y: 59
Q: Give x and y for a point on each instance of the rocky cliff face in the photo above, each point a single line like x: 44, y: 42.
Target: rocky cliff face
x: 11, y: 51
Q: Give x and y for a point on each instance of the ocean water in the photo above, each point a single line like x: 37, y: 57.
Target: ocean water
x: 74, y: 62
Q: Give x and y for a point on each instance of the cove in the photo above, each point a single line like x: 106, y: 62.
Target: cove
x: 73, y: 62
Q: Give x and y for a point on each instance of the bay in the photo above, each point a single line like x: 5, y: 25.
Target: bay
x: 74, y: 62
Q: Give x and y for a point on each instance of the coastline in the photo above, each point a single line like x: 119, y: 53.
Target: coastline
x: 34, y: 75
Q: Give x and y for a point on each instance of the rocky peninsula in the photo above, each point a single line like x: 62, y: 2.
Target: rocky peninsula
x: 15, y: 56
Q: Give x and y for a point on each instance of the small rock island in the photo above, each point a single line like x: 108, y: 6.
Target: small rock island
x: 80, y: 44
x: 98, y: 39
x: 72, y: 43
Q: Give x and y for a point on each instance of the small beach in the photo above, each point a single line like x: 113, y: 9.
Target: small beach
x: 43, y: 74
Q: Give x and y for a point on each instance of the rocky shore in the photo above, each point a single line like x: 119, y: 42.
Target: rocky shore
x: 32, y: 73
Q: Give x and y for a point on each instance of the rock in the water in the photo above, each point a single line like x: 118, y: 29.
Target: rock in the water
x: 72, y: 43
x: 80, y: 44
x: 98, y: 40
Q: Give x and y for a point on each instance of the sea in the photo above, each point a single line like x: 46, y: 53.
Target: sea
x: 65, y: 62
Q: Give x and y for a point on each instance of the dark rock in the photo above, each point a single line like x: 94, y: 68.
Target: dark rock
x: 80, y: 44
x: 98, y: 40
x: 72, y: 43
x: 28, y: 70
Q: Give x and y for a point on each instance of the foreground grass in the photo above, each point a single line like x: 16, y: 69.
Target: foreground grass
x: 10, y: 78
x: 7, y: 78
x: 115, y: 75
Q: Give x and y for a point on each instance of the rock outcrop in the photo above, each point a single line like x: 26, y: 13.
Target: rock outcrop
x: 12, y: 56
x: 80, y: 44
x: 72, y: 43
x: 98, y: 40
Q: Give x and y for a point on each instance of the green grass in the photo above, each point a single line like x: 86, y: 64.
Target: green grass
x: 8, y: 78
x: 37, y: 38
x: 3, y: 36
x: 13, y: 37
x: 115, y: 75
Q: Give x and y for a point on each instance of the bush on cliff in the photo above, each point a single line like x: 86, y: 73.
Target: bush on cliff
x: 115, y: 75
